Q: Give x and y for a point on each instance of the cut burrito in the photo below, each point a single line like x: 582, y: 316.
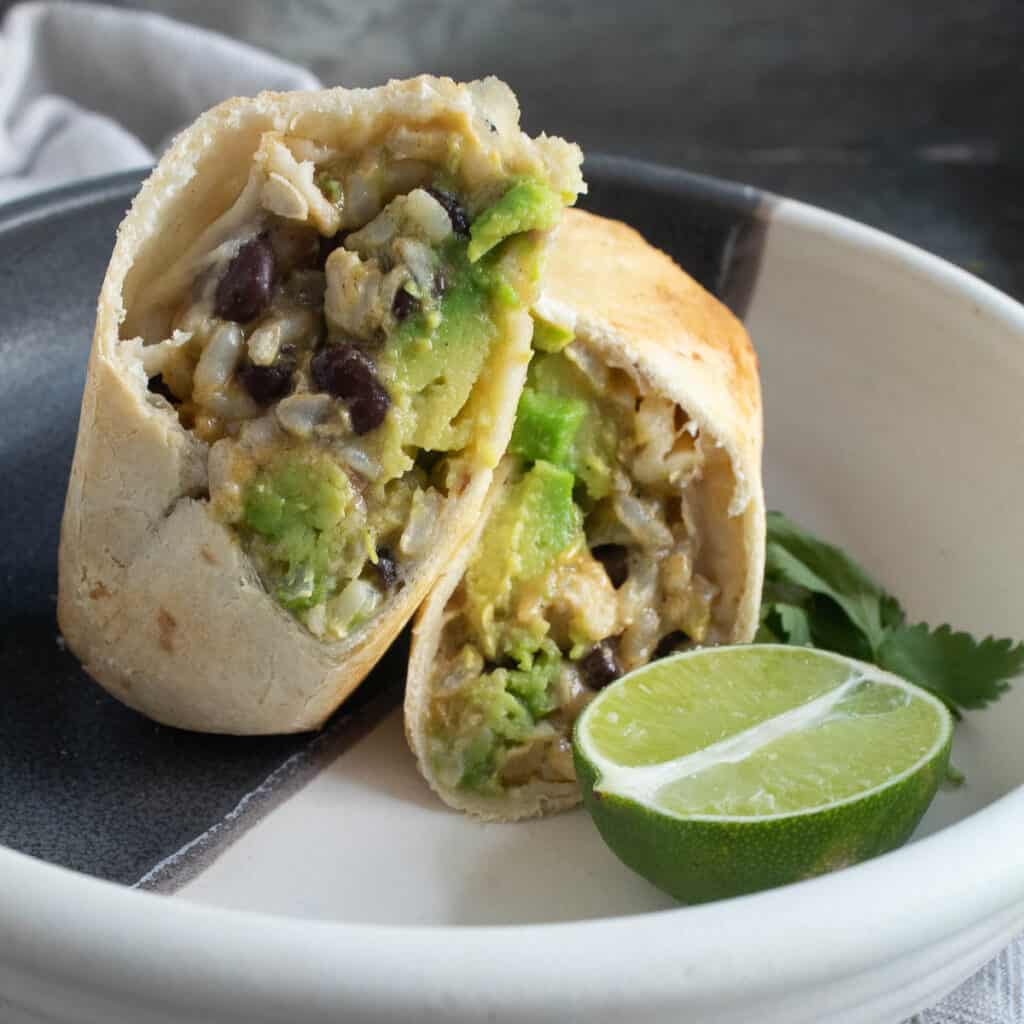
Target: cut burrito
x: 310, y: 342
x: 627, y: 522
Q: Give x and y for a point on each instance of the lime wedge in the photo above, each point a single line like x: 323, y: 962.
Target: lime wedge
x: 732, y: 769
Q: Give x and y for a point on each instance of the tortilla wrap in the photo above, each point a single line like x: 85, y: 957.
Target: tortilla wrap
x: 157, y: 596
x: 633, y: 308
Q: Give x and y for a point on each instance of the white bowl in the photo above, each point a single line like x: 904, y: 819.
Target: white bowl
x: 893, y: 386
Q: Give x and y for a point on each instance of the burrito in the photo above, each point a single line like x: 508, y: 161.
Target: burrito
x: 625, y: 523
x: 309, y: 347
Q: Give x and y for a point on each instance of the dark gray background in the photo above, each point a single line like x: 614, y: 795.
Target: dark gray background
x: 906, y: 115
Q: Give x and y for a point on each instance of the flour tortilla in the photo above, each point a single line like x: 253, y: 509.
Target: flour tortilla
x: 638, y: 310
x: 156, y: 596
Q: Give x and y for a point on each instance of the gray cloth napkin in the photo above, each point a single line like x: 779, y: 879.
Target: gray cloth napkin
x: 88, y: 90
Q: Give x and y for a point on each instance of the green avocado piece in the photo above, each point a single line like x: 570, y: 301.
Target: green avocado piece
x: 293, y: 506
x: 264, y: 508
x: 552, y: 520
x: 294, y: 490
x: 330, y: 186
x: 528, y: 205
x: 535, y: 521
x: 439, y: 358
x: 499, y: 710
x: 475, y: 762
x: 435, y: 358
x: 549, y: 336
x: 493, y: 720
x: 596, y: 440
x: 533, y: 685
x: 546, y: 427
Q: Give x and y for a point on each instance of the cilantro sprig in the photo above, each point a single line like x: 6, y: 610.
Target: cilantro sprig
x: 814, y: 593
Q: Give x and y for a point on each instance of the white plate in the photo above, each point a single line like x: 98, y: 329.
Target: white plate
x: 892, y: 387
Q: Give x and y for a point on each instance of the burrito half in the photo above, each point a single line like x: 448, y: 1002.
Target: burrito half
x: 309, y: 346
x: 626, y: 523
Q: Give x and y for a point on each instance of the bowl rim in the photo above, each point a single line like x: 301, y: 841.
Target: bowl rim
x: 79, y: 934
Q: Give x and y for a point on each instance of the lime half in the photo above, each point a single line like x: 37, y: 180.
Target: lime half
x: 732, y: 769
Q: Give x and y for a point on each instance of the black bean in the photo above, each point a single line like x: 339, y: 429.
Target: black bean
x: 599, y: 666
x: 159, y: 386
x: 248, y: 283
x: 346, y: 372
x: 387, y: 568
x: 455, y: 210
x: 404, y: 304
x: 367, y: 413
x: 266, y: 384
x: 342, y: 370
x: 669, y: 642
x: 615, y: 560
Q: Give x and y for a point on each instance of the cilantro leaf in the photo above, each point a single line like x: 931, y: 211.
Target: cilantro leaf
x: 777, y: 592
x: 892, y: 612
x: 783, y: 623
x: 795, y: 624
x: 964, y: 672
x: 815, y: 593
x: 796, y: 557
x: 765, y: 633
x: 832, y: 630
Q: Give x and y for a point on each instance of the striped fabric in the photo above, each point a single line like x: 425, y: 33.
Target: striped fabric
x: 995, y: 995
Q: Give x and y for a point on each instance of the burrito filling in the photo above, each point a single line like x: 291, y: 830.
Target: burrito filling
x: 589, y: 566
x: 340, y: 344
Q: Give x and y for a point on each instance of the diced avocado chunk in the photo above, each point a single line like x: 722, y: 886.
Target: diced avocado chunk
x: 546, y: 427
x: 534, y: 523
x: 551, y: 519
x: 476, y: 762
x: 297, y: 491
x: 521, y: 259
x: 596, y: 440
x: 329, y: 185
x: 438, y: 360
x: 533, y: 685
x: 549, y: 336
x: 264, y: 508
x: 435, y: 358
x: 472, y: 726
x: 499, y: 710
x: 528, y: 205
x: 293, y: 506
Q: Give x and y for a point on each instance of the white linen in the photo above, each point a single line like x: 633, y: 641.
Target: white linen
x: 88, y: 90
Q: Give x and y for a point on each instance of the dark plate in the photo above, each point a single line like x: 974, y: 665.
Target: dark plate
x: 85, y: 782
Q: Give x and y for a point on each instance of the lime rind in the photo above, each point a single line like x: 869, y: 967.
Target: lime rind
x: 701, y: 857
